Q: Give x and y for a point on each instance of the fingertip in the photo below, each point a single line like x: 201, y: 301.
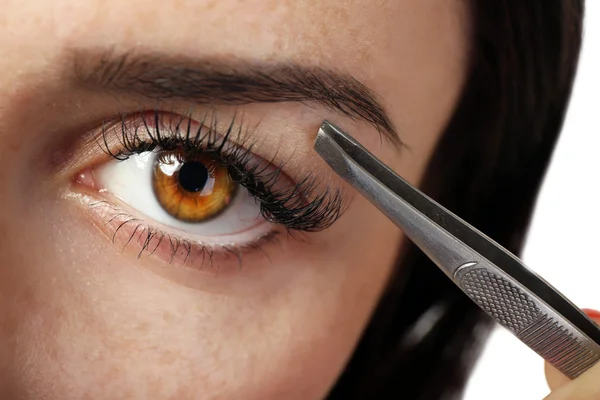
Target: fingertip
x: 593, y: 314
x: 554, y: 377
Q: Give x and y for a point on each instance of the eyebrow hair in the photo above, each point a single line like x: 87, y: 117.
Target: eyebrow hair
x: 207, y: 81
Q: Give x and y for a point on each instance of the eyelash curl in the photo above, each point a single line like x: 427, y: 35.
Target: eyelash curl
x: 305, y: 205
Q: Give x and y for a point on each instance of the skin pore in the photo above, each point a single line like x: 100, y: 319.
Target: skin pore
x: 82, y: 318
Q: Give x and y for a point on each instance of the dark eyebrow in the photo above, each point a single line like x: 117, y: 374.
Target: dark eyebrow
x: 205, y: 81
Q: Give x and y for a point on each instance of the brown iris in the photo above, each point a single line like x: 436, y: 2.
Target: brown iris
x: 192, y: 188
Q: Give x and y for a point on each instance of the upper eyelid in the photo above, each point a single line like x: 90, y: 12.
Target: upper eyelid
x: 101, y: 134
x: 164, y: 128
x: 83, y: 148
x: 158, y: 131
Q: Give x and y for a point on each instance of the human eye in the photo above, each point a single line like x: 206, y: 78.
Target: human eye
x: 191, y: 192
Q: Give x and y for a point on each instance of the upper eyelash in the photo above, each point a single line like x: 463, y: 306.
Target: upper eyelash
x: 305, y: 206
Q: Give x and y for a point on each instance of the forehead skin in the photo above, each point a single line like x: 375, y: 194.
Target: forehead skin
x: 130, y: 335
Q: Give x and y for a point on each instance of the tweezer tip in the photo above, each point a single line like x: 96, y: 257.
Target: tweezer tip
x: 330, y: 150
x: 322, y: 141
x: 324, y: 130
x: 327, y: 139
x: 331, y: 131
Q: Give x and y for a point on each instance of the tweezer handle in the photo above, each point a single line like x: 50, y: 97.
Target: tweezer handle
x: 539, y: 327
x: 558, y: 340
x: 506, y: 300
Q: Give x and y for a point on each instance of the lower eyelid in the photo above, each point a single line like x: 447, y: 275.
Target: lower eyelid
x: 139, y: 239
x: 246, y: 273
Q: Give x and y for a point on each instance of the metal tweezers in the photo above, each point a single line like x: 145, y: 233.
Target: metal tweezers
x: 490, y: 275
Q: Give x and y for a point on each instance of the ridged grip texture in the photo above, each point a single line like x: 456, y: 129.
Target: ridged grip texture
x: 559, y: 347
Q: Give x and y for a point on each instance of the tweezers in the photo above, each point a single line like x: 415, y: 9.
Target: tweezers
x: 496, y: 280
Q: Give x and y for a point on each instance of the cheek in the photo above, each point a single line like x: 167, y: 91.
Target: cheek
x: 84, y: 322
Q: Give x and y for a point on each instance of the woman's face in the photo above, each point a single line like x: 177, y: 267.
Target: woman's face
x: 156, y: 277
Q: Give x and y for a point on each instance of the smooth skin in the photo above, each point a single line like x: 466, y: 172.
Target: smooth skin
x: 82, y: 319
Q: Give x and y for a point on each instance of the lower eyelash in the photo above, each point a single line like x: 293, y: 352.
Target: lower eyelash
x: 306, y: 205
x: 151, y: 240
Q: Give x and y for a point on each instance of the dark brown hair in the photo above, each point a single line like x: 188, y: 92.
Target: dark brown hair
x: 487, y: 169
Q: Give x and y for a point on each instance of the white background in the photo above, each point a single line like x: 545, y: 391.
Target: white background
x: 564, y: 238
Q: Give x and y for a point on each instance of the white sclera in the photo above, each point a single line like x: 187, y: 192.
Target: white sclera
x: 131, y: 182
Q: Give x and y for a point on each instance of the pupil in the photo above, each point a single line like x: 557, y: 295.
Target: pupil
x: 193, y: 176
